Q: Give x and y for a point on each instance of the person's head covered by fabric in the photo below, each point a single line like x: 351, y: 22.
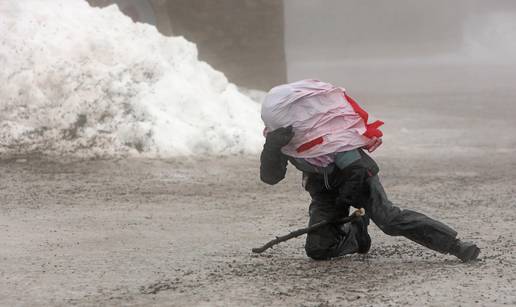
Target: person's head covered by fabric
x: 324, y: 120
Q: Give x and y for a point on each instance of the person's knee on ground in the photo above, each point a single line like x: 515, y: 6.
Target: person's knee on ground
x: 317, y: 252
x: 338, y: 240
x: 325, y: 243
x: 322, y: 243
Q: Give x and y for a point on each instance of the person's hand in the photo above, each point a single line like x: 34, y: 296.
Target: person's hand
x: 373, y: 143
x: 279, y: 137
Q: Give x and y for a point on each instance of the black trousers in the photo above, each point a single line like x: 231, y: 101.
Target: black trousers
x: 337, y: 240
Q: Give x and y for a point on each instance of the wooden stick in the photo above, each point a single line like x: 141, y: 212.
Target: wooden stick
x: 296, y: 233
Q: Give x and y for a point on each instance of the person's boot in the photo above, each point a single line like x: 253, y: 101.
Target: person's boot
x: 362, y: 236
x: 465, y: 251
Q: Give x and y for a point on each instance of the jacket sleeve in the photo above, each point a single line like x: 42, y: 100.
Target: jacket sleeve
x: 273, y: 165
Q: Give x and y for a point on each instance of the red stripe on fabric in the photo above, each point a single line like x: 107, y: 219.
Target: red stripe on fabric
x: 372, y: 128
x: 308, y: 145
x: 357, y: 108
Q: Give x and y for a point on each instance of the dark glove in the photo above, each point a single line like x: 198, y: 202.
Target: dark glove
x: 273, y: 163
x: 279, y: 138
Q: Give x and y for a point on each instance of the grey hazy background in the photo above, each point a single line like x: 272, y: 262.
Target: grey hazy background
x: 401, y: 46
x: 369, y: 46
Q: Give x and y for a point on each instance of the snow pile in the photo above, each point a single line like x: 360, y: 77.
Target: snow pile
x: 89, y: 82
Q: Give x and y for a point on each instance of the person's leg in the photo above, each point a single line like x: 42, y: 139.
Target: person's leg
x: 332, y: 240
x: 410, y: 224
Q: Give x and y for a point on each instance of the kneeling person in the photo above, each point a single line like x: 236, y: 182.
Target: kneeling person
x: 322, y: 132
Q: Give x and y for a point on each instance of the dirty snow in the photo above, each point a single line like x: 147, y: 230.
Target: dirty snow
x: 89, y: 82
